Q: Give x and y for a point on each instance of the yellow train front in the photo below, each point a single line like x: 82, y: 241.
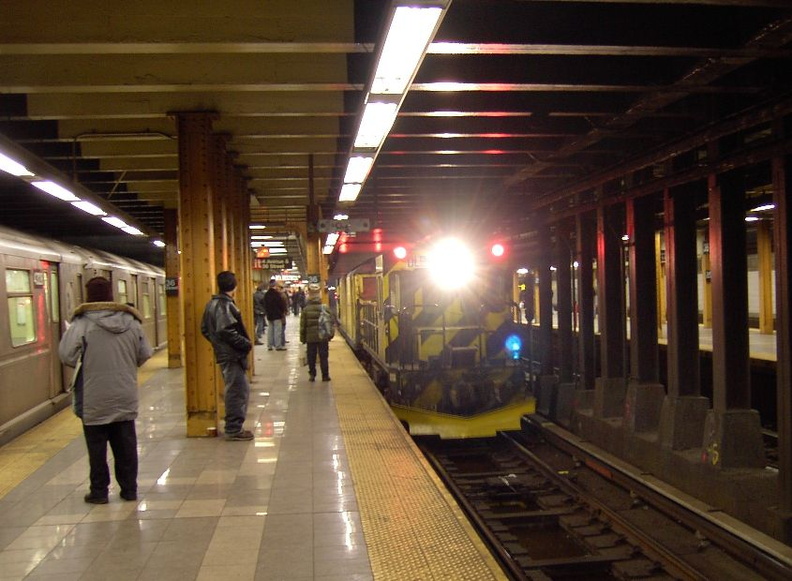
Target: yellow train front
x: 437, y: 328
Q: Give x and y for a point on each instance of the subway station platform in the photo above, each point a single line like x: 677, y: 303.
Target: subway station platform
x: 331, y: 488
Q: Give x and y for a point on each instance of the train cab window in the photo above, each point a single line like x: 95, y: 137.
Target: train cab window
x: 21, y: 318
x: 121, y: 293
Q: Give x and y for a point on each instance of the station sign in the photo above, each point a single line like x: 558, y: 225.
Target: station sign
x: 272, y: 263
x: 353, y: 225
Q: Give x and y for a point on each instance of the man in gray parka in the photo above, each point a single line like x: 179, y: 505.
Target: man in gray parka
x: 107, y: 341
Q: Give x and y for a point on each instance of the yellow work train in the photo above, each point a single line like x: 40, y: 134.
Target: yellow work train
x: 436, y: 330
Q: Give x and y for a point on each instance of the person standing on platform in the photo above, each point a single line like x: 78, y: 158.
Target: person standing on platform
x: 259, y: 313
x: 286, y: 307
x: 275, y: 310
x: 309, y: 334
x: 298, y: 301
x: 105, y: 344
x: 222, y: 325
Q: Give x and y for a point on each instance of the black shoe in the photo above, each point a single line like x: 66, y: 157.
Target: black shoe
x: 258, y: 343
x: 311, y: 378
x: 240, y: 436
x: 269, y: 348
x: 326, y: 378
x: 129, y: 495
x: 93, y: 498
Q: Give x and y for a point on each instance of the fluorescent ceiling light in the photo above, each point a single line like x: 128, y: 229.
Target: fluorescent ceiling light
x: 158, y: 243
x: 278, y: 251
x: 117, y: 222
x: 377, y: 121
x: 261, y: 237
x: 273, y: 244
x: 54, y: 189
x: 89, y: 208
x: 132, y: 230
x: 410, y: 32
x: 257, y: 226
x: 357, y: 169
x: 341, y: 217
x: 15, y: 168
x: 763, y: 208
x: 349, y: 192
x: 327, y: 250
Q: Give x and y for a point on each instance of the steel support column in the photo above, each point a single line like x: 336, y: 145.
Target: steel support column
x: 644, y: 354
x: 173, y: 295
x: 545, y: 303
x: 196, y: 233
x: 732, y: 431
x: 645, y: 393
x: 564, y: 302
x: 610, y: 388
x: 782, y: 167
x: 585, y: 240
x: 684, y: 410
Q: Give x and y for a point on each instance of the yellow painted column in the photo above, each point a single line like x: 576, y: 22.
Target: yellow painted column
x: 764, y: 249
x: 197, y: 236
x: 173, y: 288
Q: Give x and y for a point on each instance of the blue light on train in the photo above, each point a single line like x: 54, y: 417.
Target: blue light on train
x: 513, y: 345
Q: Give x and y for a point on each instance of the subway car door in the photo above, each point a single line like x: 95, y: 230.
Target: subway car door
x: 50, y: 277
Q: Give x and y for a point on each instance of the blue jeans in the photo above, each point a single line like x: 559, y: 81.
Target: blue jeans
x: 261, y: 324
x: 237, y: 393
x: 275, y: 334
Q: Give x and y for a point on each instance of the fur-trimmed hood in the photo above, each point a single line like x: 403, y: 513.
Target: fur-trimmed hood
x: 113, y: 308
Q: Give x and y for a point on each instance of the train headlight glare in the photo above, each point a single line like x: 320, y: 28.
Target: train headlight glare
x: 451, y: 264
x: 513, y: 345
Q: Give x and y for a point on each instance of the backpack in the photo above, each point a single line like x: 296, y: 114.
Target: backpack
x: 326, y: 329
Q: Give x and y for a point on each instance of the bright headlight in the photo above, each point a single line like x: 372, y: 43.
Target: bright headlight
x: 451, y: 264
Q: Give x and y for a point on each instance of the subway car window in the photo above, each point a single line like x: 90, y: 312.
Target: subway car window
x: 122, y: 292
x: 54, y: 292
x: 20, y: 307
x: 161, y: 298
x: 146, y: 298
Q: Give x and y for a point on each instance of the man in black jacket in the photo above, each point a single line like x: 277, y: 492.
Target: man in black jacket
x: 222, y: 326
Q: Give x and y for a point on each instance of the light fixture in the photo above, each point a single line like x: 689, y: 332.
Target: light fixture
x: 341, y: 217
x: 377, y: 121
x: 56, y: 190
x: 15, y: 168
x: 89, y: 208
x: 357, y: 170
x: 278, y: 251
x: 257, y: 226
x: 261, y: 237
x: 763, y: 208
x: 132, y: 230
x: 349, y: 192
x: 117, y: 222
x: 158, y: 243
x: 411, y: 29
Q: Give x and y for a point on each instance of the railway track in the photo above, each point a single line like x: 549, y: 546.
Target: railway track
x: 551, y: 514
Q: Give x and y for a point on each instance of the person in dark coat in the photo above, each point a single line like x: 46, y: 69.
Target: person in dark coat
x: 222, y: 325
x: 106, y: 343
x: 309, y: 335
x: 259, y: 313
x: 275, y: 310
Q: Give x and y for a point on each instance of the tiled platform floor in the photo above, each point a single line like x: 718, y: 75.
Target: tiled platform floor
x: 281, y: 507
